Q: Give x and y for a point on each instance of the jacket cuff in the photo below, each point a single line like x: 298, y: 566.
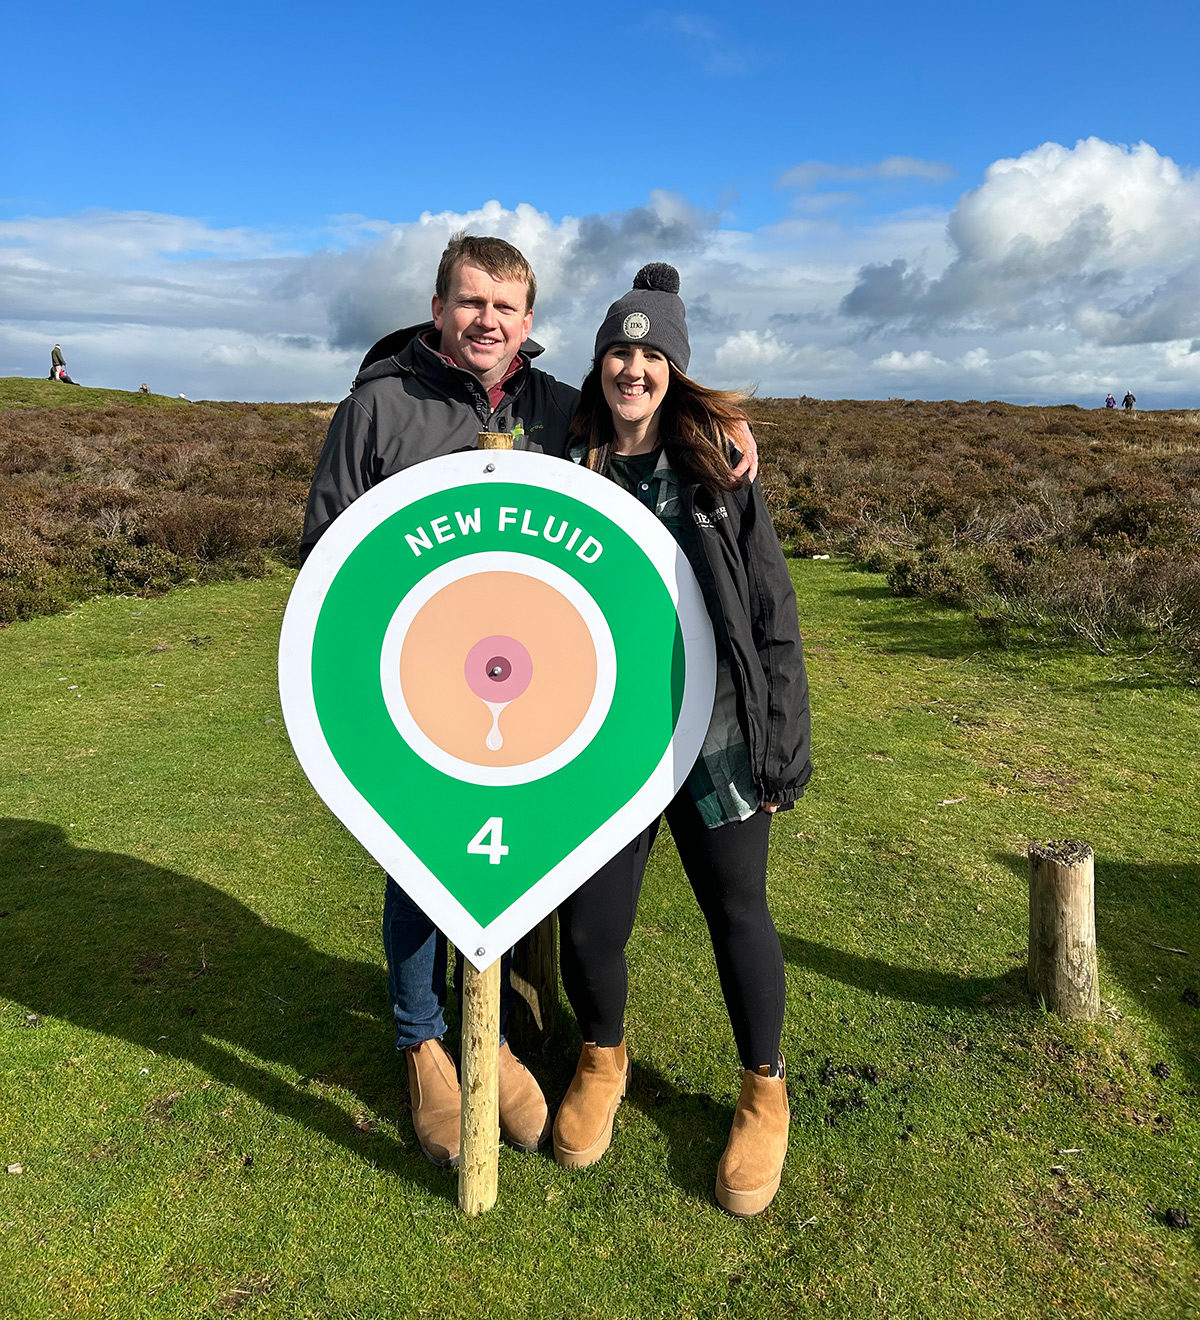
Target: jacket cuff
x: 786, y: 797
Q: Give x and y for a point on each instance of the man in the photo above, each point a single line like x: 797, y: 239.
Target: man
x: 58, y: 366
x: 422, y: 392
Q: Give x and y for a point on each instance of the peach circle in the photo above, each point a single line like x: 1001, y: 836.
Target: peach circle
x: 485, y: 605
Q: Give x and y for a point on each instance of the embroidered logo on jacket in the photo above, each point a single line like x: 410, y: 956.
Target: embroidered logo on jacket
x: 702, y: 519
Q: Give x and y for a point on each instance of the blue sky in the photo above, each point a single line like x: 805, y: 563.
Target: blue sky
x: 863, y: 200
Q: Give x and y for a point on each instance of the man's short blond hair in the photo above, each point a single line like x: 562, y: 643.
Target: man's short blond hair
x: 501, y: 260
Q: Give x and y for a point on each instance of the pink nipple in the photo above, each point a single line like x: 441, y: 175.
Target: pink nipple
x: 497, y: 670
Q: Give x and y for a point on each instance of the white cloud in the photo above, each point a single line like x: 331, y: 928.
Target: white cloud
x: 818, y: 203
x: 716, y: 50
x: 1137, y: 206
x: 810, y: 172
x: 920, y: 362
x: 1066, y: 272
x: 750, y: 353
x: 1098, y: 238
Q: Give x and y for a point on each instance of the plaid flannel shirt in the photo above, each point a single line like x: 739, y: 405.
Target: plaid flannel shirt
x: 721, y: 783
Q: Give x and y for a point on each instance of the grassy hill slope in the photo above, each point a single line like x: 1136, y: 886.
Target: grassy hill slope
x: 25, y: 392
x: 196, y: 1072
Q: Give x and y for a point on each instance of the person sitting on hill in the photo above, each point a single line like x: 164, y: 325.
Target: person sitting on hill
x: 58, y: 366
x: 143, y: 388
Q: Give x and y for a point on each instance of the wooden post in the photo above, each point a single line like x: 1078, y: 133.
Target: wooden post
x: 535, y: 959
x: 479, y: 1135
x: 1062, y: 928
x: 479, y: 1156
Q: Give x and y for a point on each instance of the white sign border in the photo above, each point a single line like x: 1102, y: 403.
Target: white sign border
x: 482, y: 944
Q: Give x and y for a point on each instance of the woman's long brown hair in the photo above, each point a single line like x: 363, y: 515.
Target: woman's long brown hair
x: 693, y: 424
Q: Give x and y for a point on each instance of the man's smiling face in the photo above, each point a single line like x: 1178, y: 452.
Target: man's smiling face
x: 483, y: 321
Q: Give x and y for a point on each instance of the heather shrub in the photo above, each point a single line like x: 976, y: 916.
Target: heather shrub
x: 201, y: 527
x: 1055, y: 522
x: 951, y: 579
x: 119, y: 564
x: 1061, y: 522
x: 137, y: 498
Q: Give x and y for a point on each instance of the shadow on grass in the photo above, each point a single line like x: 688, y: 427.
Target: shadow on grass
x: 913, y: 626
x: 915, y: 985
x: 120, y: 946
x: 695, y: 1125
x: 1139, y: 907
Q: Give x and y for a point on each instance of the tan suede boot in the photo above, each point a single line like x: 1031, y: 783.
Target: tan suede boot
x: 436, y: 1101
x: 749, y: 1172
x: 524, y: 1114
x: 584, y: 1122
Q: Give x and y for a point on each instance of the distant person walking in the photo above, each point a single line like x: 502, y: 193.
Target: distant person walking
x: 58, y: 366
x: 1128, y: 401
x: 1110, y: 402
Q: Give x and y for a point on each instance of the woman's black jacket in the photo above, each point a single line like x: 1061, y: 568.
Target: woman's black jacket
x: 757, y: 605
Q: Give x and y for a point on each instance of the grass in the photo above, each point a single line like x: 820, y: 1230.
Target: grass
x: 196, y: 1073
x: 21, y: 392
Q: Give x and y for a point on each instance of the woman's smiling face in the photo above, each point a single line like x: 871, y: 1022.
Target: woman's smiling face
x: 634, y: 381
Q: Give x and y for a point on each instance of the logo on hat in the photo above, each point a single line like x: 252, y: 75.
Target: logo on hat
x: 636, y: 325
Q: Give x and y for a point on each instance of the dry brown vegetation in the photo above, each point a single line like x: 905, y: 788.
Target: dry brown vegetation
x: 135, y: 499
x: 1063, y: 521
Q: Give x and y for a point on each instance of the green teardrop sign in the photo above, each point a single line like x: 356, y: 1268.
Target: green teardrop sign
x: 495, y: 668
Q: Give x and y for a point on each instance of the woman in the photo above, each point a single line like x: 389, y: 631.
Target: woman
x: 662, y: 436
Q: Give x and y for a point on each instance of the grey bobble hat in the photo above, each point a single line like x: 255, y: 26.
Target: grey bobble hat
x: 650, y: 315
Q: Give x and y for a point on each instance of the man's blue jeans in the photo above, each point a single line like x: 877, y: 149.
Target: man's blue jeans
x: 416, y: 959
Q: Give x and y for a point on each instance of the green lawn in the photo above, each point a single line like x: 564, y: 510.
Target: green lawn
x: 196, y: 1073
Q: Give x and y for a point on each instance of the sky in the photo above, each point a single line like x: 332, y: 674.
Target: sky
x: 863, y: 200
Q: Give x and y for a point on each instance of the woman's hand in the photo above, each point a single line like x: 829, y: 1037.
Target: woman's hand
x: 742, y: 436
x: 771, y: 807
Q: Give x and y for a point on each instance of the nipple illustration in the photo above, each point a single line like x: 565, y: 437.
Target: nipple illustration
x: 498, y: 670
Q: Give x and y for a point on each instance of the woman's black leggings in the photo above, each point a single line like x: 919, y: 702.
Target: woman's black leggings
x: 727, y: 869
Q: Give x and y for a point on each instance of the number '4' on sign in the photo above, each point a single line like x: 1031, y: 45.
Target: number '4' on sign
x: 487, y: 843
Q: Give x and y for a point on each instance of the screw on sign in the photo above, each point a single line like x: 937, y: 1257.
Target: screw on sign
x: 495, y: 673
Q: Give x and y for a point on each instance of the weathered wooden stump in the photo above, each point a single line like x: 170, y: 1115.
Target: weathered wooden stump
x: 479, y: 1157
x: 1062, y: 928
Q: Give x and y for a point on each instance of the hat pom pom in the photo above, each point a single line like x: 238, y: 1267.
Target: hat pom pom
x: 658, y: 276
